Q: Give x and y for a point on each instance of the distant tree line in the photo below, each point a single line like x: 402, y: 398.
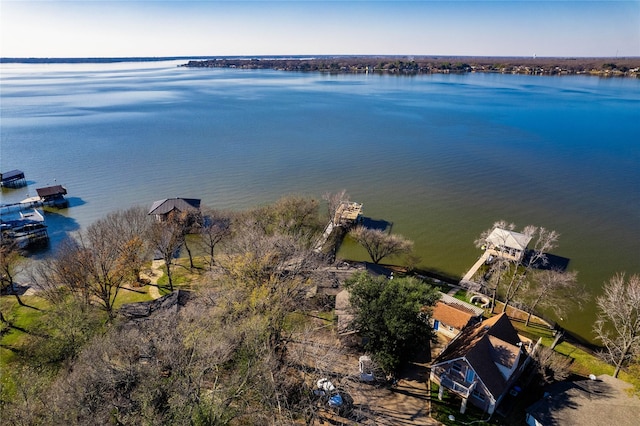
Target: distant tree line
x: 426, y: 65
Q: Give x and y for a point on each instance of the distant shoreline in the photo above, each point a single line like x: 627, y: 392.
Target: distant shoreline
x: 408, y: 65
x: 387, y: 64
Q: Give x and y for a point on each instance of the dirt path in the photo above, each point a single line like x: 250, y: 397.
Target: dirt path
x: 153, y: 275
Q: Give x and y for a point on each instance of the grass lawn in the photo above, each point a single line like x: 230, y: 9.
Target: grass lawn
x: 137, y: 294
x: 22, y: 318
x: 450, y: 406
x: 182, y: 276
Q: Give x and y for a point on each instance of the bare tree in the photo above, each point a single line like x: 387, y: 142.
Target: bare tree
x: 166, y: 239
x: 334, y: 200
x: 97, y: 264
x: 291, y: 215
x: 552, y: 289
x: 618, y: 323
x: 493, y: 278
x: 216, y: 228
x: 132, y: 228
x: 482, y: 240
x: 380, y: 244
x: 499, y: 265
x: 63, y: 273
x: 100, y: 254
x: 544, y: 241
x: 552, y: 366
x: 10, y: 260
x: 517, y: 269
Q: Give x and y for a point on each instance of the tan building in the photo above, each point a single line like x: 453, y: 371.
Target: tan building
x: 507, y: 244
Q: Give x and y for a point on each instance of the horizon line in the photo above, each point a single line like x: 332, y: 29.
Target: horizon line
x: 27, y: 59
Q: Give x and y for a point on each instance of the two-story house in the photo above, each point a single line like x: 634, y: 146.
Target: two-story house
x: 481, y: 363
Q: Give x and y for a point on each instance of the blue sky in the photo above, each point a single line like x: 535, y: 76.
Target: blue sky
x: 424, y: 27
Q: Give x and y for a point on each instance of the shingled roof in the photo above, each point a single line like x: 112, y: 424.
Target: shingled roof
x: 163, y: 207
x: 453, y: 315
x: 51, y: 191
x: 491, y: 342
x: 511, y: 239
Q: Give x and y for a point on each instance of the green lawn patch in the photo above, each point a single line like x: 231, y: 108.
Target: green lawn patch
x: 138, y: 294
x: 182, y: 275
x: 462, y: 295
x: 22, y: 318
x: 450, y: 406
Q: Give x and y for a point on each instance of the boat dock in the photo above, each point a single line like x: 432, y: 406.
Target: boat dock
x: 346, y: 215
x: 25, y: 230
x: 50, y: 196
x: 13, y: 179
x: 467, y: 279
x: 23, y: 224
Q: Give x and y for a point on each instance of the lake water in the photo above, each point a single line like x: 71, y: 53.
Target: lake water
x: 440, y: 156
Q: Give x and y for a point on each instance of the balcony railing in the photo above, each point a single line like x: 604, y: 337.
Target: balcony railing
x: 453, y: 381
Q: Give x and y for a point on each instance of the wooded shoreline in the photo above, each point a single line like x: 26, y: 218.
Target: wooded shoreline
x: 411, y: 65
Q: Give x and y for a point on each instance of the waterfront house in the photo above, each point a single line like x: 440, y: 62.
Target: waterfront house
x: 450, y: 316
x: 602, y: 400
x: 163, y: 209
x: 482, y: 363
x: 509, y: 245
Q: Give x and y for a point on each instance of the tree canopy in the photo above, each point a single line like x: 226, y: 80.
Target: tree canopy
x: 391, y: 315
x: 380, y: 244
x: 618, y: 324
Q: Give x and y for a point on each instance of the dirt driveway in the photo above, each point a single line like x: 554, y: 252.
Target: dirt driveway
x: 407, y: 403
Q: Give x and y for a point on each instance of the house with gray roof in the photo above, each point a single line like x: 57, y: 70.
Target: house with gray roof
x: 507, y: 244
x: 163, y: 209
x: 482, y: 363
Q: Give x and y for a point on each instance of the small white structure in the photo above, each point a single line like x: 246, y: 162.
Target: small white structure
x: 507, y: 244
x: 365, y: 365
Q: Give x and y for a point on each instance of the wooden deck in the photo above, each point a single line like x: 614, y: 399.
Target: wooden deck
x: 347, y: 213
x: 471, y: 272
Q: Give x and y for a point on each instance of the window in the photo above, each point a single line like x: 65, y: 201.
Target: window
x: 456, y: 367
x: 478, y: 395
x: 470, y: 376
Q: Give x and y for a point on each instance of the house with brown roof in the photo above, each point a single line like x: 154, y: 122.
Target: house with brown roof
x: 481, y: 364
x: 602, y: 400
x: 450, y: 316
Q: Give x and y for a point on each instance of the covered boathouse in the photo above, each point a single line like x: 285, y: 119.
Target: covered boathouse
x: 13, y: 179
x: 164, y: 209
x: 53, y: 196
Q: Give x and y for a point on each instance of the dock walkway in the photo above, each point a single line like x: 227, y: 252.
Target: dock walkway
x: 471, y: 272
x: 325, y: 236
